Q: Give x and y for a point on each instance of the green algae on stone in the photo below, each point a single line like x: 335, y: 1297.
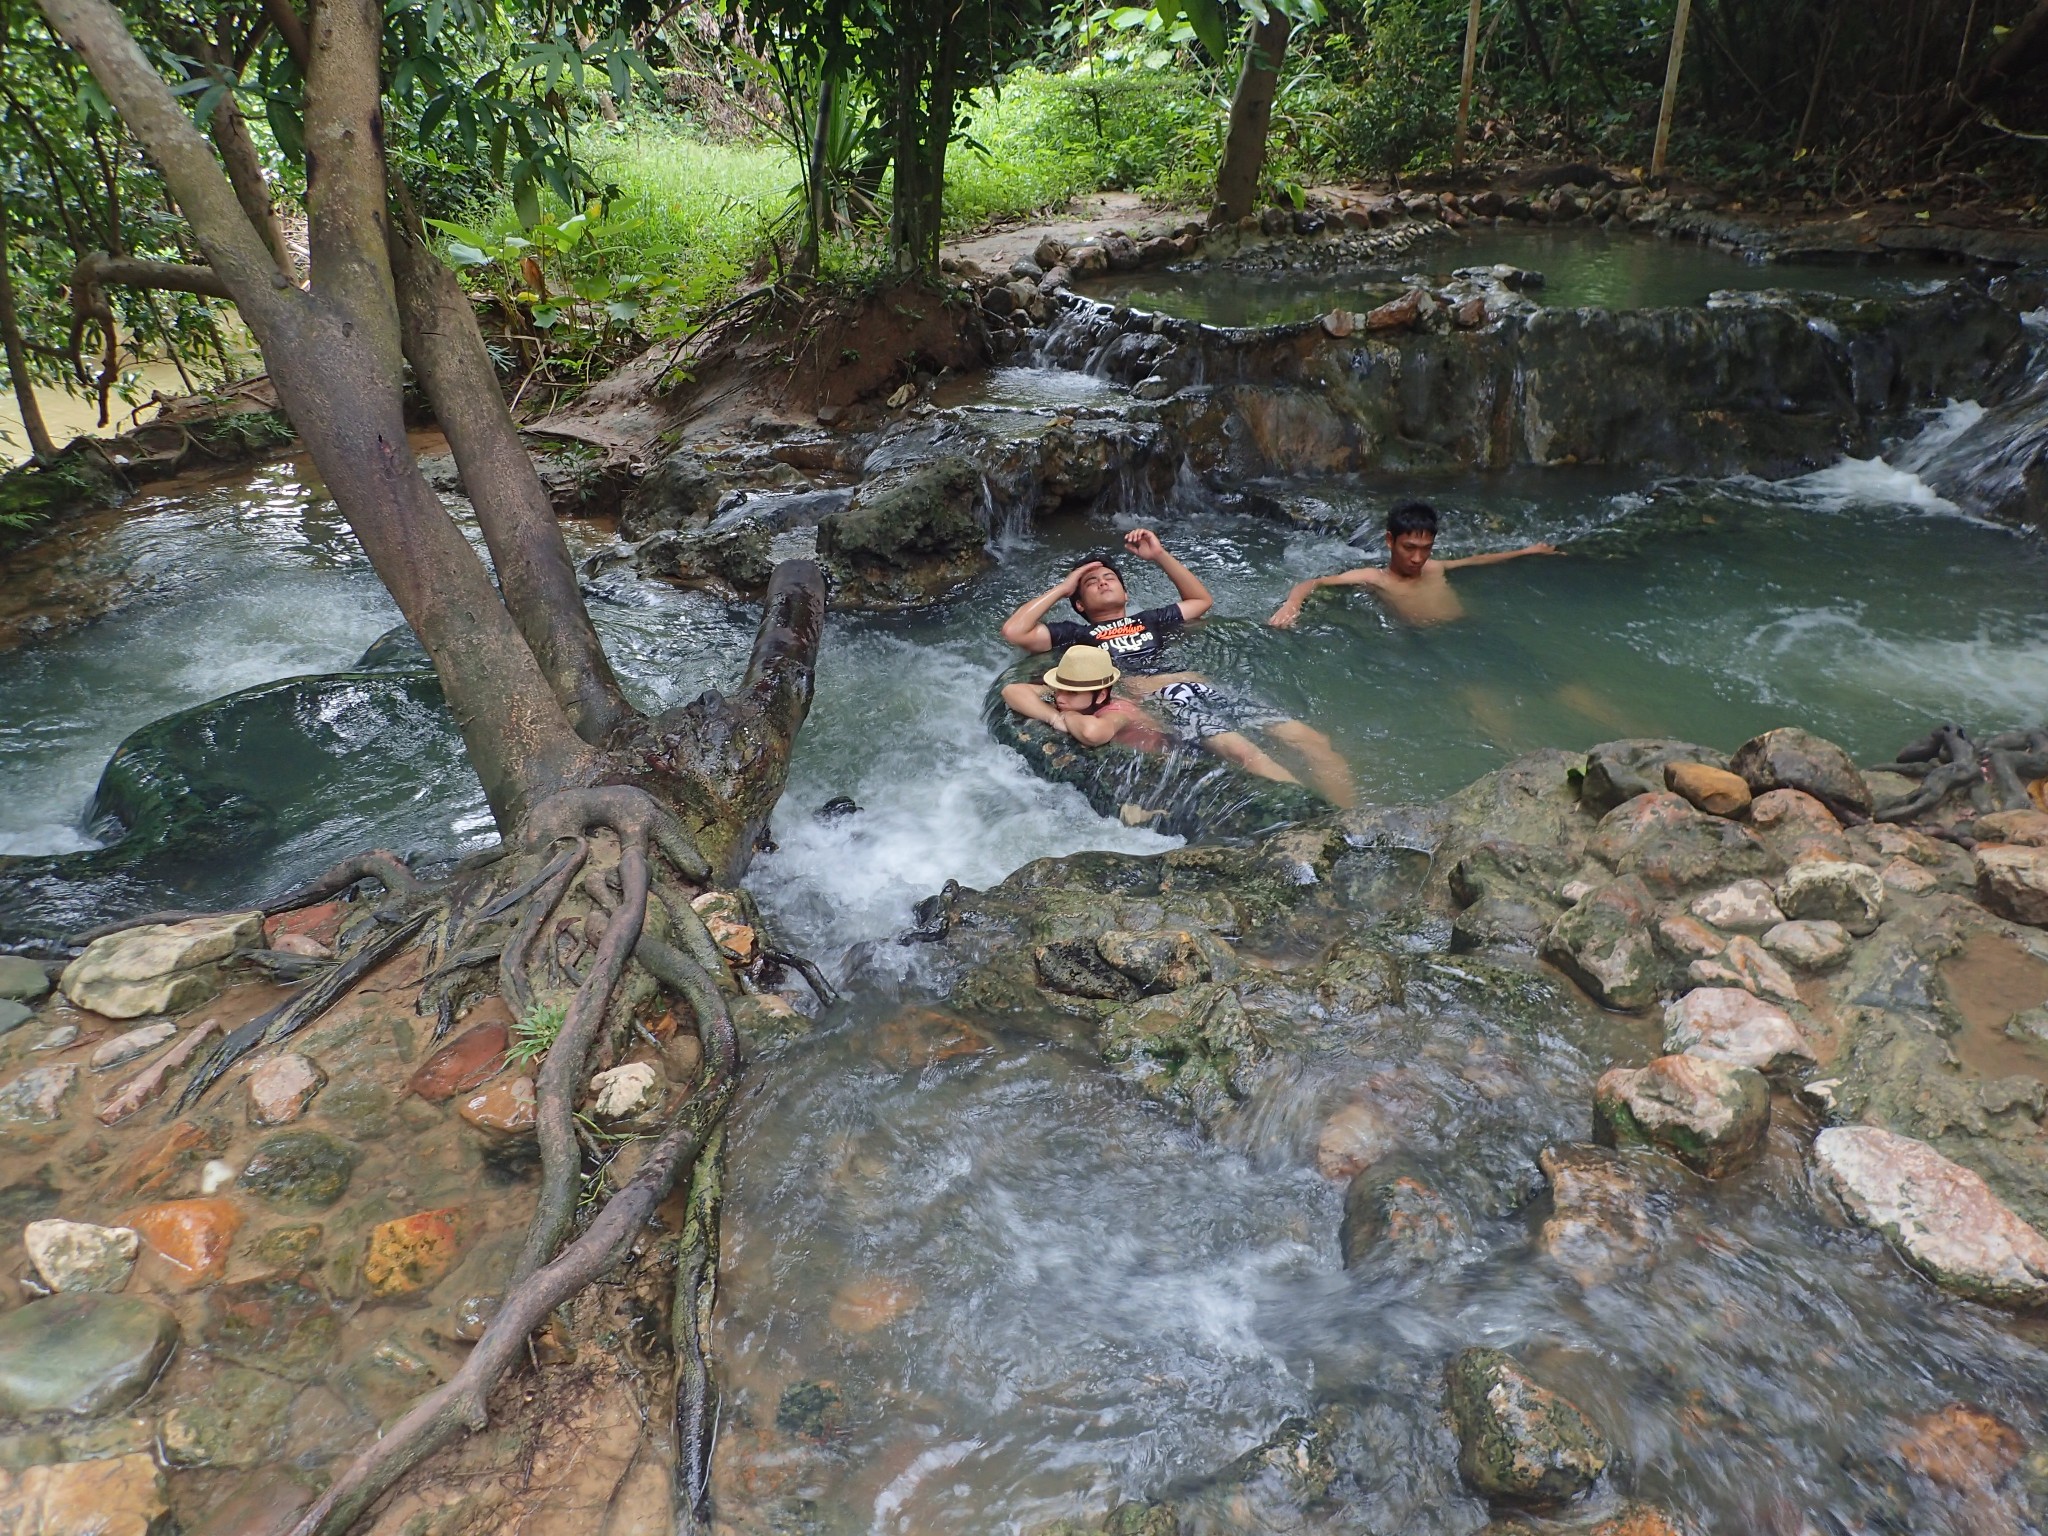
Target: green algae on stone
x: 300, y: 1170
x: 1518, y: 1440
x: 86, y: 1354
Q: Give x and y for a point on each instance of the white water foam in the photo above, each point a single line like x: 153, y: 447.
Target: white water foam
x: 897, y: 725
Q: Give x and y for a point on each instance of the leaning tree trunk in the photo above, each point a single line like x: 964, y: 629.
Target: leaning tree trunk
x: 1251, y: 117
x: 39, y: 442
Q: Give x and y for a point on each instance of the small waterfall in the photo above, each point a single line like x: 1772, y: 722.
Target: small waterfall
x: 1993, y: 459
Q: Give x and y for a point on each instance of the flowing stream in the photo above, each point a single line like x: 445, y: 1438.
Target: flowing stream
x: 972, y: 1282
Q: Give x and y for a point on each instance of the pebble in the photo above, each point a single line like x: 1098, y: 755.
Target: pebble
x: 21, y: 979
x: 411, y: 1253
x: 78, y: 1256
x: 137, y: 1042
x: 37, y: 1096
x: 1729, y: 1024
x: 625, y: 1092
x: 215, y: 1175
x: 468, y: 1061
x: 111, y: 1496
x: 189, y: 1238
x: 282, y: 1087
x: 1940, y: 1215
x: 1810, y: 945
x: 1747, y: 906
x: 85, y: 1354
x: 507, y: 1105
x: 300, y: 1170
x: 57, y: 1039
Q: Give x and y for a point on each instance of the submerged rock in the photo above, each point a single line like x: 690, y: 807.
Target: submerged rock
x: 1942, y: 1217
x: 281, y: 1088
x: 112, y: 1496
x: 78, y: 1256
x: 300, y: 1170
x: 37, y: 1096
x: 159, y: 967
x: 468, y: 1061
x: 1517, y: 1440
x: 411, y: 1253
x: 83, y: 1355
x: 188, y: 1239
x: 1709, y: 1115
x: 1610, y: 1209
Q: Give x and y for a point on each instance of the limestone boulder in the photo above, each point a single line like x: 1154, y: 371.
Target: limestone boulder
x: 1734, y: 1027
x: 1789, y: 758
x: 159, y: 967
x: 1709, y: 1115
x: 733, y: 559
x: 1940, y: 1216
x: 909, y: 538
x: 1829, y: 890
x: 1670, y: 846
x: 1604, y: 944
x: 1508, y: 894
x: 79, y: 1256
x: 679, y: 492
x: 1796, y: 826
x: 1808, y: 944
x: 1746, y: 964
x: 2012, y: 880
x: 1518, y: 1440
x: 1747, y: 906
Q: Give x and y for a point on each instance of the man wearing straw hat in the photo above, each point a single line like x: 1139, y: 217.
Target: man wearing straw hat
x: 1199, y: 712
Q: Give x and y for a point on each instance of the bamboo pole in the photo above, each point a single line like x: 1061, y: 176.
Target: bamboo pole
x: 1670, y: 87
x: 1465, y: 84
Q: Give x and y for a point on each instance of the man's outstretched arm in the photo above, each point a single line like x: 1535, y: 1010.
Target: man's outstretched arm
x: 1502, y: 554
x: 1194, y: 597
x: 1285, y: 615
x: 1026, y: 629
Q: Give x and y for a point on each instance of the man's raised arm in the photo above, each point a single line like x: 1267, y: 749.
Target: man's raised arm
x: 1502, y: 554
x: 1026, y: 629
x: 1194, y: 597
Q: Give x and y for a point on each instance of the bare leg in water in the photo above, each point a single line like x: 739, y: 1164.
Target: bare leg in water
x: 1240, y: 750
x: 1330, y: 774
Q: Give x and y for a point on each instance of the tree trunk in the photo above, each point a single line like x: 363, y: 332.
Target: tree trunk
x: 245, y: 170
x: 1670, y: 101
x: 1465, y: 85
x: 535, y: 573
x: 39, y: 443
x: 907, y: 200
x: 1251, y: 116
x: 818, y: 193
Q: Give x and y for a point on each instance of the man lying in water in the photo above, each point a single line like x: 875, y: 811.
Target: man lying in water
x: 1075, y: 699
x: 1198, y: 712
x: 1411, y: 583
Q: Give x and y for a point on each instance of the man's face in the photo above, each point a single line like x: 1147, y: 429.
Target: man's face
x: 1100, y: 592
x: 1409, y: 552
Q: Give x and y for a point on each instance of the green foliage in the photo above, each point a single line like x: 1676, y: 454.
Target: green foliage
x: 1400, y: 99
x: 535, y: 1033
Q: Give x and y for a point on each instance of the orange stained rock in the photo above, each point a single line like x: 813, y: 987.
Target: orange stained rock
x: 188, y: 1239
x: 471, y: 1059
x: 1961, y: 1446
x: 412, y: 1253
x: 871, y: 1301
x: 507, y: 1105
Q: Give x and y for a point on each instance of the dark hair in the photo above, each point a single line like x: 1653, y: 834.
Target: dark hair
x: 1108, y: 565
x: 1411, y: 517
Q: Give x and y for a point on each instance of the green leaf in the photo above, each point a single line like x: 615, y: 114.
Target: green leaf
x: 547, y: 316
x: 1207, y: 18
x: 467, y: 233
x: 526, y: 202
x: 464, y: 254
x: 625, y: 311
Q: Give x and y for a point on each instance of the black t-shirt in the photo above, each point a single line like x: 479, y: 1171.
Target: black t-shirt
x: 1132, y: 641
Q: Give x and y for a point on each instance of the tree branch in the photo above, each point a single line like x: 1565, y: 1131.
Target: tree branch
x: 345, y: 189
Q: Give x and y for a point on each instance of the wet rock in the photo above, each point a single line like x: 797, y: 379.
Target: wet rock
x: 1747, y: 906
x: 1713, y: 790
x: 113, y: 1496
x: 1908, y: 878
x: 1161, y: 961
x: 1670, y: 846
x: 626, y: 1093
x: 22, y: 980
x: 1788, y: 758
x: 164, y: 1159
x: 1729, y: 1025
x: 1089, y: 260
x: 234, y: 1417
x: 1397, y: 314
x: 1357, y: 980
x: 1352, y: 1140
x: 1960, y: 1447
x: 1620, y: 770
x: 85, y: 1355
x: 2029, y: 829
x: 1076, y: 968
x: 300, y: 1170
x: 1517, y: 1440
x: 136, y: 1042
x: 1711, y: 1116
x: 1810, y: 945
x: 78, y: 1256
x: 1508, y: 893
x: 909, y: 538
x: 189, y: 1239
x: 1641, y: 1520
x: 319, y: 924
x: 507, y: 1106
x: 282, y: 1087
x: 1049, y: 252
x: 287, y: 1248
x: 1297, y: 1461
x: 2012, y: 880
x: 1194, y: 1047
x: 1469, y: 314
x: 1339, y: 323
x: 1941, y: 1217
x: 1604, y: 945
x: 1828, y: 890
x: 284, y: 1324
x: 159, y: 967
x: 1748, y: 965
x: 679, y: 492
x: 57, y: 1039
x: 869, y: 1302
x: 411, y: 1253
x: 735, y: 558
x: 1797, y: 826
x: 730, y: 924
x: 468, y: 1061
x: 1608, y: 1209
x: 1401, y: 1216
x: 13, y: 1015
x: 1687, y: 938
x: 36, y: 1097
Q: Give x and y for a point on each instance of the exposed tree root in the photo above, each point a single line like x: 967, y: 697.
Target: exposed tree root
x: 542, y: 1280
x: 372, y: 864
x: 1947, y: 762
x: 696, y: 1413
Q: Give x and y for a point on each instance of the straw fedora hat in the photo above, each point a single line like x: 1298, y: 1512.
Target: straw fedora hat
x: 1083, y: 669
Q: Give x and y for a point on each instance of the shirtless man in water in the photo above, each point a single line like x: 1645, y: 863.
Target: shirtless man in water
x: 1197, y: 711
x: 1411, y: 583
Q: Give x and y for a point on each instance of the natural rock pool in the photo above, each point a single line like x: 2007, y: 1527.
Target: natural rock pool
x: 989, y: 1264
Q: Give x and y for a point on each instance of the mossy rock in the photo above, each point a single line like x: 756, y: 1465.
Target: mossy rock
x: 35, y: 498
